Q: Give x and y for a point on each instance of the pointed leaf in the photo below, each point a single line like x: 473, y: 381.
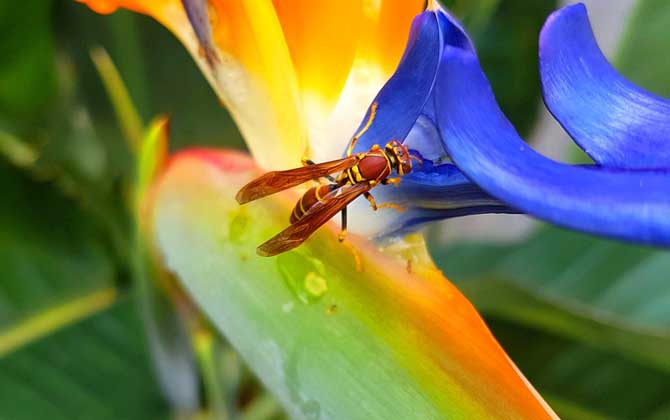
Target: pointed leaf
x: 96, y: 369
x: 610, y: 295
x: 325, y: 338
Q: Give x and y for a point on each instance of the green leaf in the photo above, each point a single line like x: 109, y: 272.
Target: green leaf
x: 50, y: 255
x: 148, y: 57
x: 126, y: 113
x: 475, y: 14
x: 27, y: 78
x: 611, y: 295
x: 585, y: 383
x: 96, y: 369
x: 508, y: 50
x: 643, y: 53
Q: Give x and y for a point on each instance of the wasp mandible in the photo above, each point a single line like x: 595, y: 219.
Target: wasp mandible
x: 357, y: 175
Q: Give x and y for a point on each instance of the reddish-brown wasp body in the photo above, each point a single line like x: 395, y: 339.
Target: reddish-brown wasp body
x: 358, y: 174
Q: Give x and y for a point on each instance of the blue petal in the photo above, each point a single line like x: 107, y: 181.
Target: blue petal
x: 629, y: 205
x: 435, y: 193
x: 400, y: 101
x: 616, y: 123
x: 437, y: 187
x: 434, y: 190
x: 414, y: 218
x: 403, y: 98
x: 452, y: 31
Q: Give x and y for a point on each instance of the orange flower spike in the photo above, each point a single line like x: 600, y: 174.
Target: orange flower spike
x: 110, y: 6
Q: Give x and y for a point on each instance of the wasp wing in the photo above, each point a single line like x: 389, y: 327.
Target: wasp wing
x: 315, y: 217
x: 273, y: 182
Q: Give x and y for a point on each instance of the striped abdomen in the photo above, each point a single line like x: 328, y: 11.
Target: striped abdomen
x: 308, y: 199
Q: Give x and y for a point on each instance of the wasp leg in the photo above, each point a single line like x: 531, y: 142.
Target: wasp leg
x: 394, y: 181
x: 352, y: 144
x: 309, y: 162
x: 350, y: 248
x: 376, y: 206
x: 393, y: 206
x: 354, y: 253
x: 354, y: 140
x: 372, y: 201
x: 343, y: 232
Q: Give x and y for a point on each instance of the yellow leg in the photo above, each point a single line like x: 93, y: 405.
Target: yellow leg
x: 352, y: 144
x: 391, y: 206
x: 354, y: 253
x: 372, y: 201
x: 343, y: 235
x: 394, y: 181
x: 376, y: 206
x: 354, y: 139
x: 305, y: 159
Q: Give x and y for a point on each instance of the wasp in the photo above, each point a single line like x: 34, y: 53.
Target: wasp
x: 357, y: 175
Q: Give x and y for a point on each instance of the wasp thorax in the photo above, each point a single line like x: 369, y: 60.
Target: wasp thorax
x: 399, y: 157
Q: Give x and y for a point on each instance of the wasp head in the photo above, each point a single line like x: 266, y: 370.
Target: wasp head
x: 399, y: 156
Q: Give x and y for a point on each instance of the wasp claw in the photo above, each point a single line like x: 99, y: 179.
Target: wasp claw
x: 342, y: 236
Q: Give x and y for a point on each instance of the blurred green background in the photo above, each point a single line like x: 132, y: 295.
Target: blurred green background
x: 587, y: 320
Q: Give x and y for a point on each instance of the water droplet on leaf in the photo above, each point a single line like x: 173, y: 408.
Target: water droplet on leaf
x: 303, y: 274
x: 238, y: 227
x: 315, y: 284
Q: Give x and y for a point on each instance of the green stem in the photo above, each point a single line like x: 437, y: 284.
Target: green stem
x: 55, y: 318
x: 206, y: 349
x: 16, y: 151
x: 126, y: 113
x: 263, y: 407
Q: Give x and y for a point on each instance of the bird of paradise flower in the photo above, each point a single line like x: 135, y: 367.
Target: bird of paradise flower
x: 297, y: 84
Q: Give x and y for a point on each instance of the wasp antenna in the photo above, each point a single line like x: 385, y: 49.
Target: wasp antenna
x: 416, y: 158
x: 354, y: 139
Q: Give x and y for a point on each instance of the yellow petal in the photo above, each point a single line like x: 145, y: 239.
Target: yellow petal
x: 340, y: 74
x: 257, y: 82
x: 292, y: 73
x: 248, y: 65
x: 322, y: 38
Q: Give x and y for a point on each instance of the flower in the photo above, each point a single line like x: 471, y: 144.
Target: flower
x: 317, y: 329
x: 624, y: 195
x: 295, y: 75
x: 297, y: 84
x: 298, y: 76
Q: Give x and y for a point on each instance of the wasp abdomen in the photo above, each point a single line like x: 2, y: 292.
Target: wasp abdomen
x: 308, y: 199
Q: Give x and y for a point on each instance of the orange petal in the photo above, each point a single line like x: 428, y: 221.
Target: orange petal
x: 292, y: 73
x: 343, y: 53
x: 109, y: 6
x: 322, y: 38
